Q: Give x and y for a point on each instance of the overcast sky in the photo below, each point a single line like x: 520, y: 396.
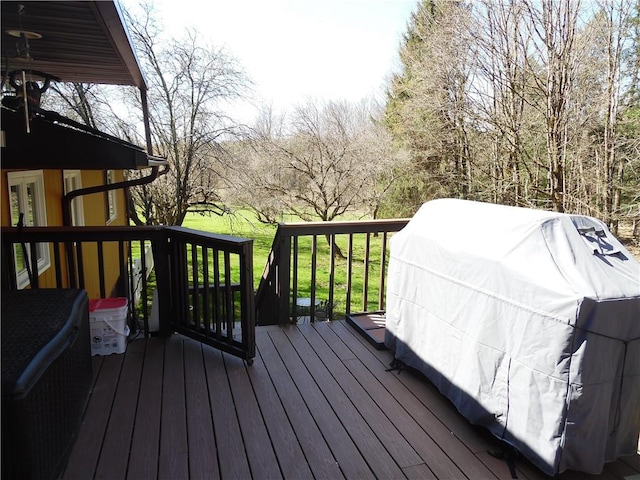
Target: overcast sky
x: 296, y: 49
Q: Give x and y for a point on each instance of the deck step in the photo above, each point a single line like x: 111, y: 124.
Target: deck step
x: 371, y: 325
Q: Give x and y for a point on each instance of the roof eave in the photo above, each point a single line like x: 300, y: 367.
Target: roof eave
x: 115, y: 27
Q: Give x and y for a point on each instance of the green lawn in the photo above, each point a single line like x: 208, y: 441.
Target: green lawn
x: 243, y: 223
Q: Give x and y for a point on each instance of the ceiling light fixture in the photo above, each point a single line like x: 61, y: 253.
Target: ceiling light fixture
x: 23, y: 36
x: 25, y: 33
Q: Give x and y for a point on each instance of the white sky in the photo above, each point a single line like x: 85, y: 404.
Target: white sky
x: 299, y: 49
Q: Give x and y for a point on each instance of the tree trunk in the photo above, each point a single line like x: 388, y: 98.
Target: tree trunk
x: 337, y: 252
x: 617, y: 198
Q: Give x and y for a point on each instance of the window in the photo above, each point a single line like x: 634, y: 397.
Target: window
x: 110, y: 197
x: 72, y: 181
x: 26, y: 191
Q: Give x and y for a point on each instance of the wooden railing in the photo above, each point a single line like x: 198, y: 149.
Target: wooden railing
x: 204, y: 282
x: 344, y: 288
x: 211, y: 279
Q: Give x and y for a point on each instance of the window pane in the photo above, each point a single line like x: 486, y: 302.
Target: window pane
x: 26, y: 197
x: 70, y: 184
x: 15, y: 219
x: 112, y: 204
x: 31, y: 213
x: 110, y: 197
x: 32, y: 218
x: 20, y: 263
x: 15, y: 204
x: 74, y: 212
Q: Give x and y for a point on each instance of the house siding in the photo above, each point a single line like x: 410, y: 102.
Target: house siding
x: 94, y: 215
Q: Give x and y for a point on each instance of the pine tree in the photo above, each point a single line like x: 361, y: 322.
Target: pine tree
x: 426, y: 104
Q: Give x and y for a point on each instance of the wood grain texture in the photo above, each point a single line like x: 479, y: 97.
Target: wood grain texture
x: 318, y: 402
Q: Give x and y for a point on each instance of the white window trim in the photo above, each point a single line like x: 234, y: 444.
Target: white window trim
x: 77, y: 205
x: 37, y: 178
x: 111, y: 200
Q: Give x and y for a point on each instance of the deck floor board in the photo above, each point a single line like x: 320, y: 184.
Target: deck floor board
x: 203, y: 460
x: 258, y: 446
x: 145, y: 443
x: 174, y: 453
x: 349, y: 458
x: 398, y: 447
x: 362, y: 433
x: 412, y: 398
x: 288, y: 450
x: 83, y: 461
x: 426, y: 447
x: 115, y: 448
x: 318, y: 402
x: 232, y: 458
x: 307, y: 432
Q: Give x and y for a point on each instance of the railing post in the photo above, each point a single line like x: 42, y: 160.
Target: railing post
x: 8, y: 267
x: 283, y: 292
x: 248, y: 301
x: 280, y: 282
x: 161, y: 251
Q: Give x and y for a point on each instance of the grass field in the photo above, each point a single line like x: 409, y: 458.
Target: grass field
x: 243, y: 223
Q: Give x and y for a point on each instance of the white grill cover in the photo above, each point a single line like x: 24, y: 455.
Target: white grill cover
x: 528, y: 321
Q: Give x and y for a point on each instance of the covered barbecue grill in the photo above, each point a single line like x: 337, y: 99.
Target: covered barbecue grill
x: 528, y: 321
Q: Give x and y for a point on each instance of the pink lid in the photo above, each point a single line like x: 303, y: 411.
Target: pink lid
x: 105, y: 303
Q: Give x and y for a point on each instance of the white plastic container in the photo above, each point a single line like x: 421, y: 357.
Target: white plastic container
x: 108, y: 322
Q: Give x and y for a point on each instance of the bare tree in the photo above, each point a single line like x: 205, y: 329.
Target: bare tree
x: 77, y: 100
x: 327, y: 159
x: 614, y: 16
x: 501, y: 45
x: 545, y: 106
x: 188, y: 85
x: 555, y: 27
x: 320, y: 164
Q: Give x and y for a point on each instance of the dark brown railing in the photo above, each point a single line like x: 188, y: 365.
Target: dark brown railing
x: 204, y: 282
x: 211, y: 278
x: 281, y: 290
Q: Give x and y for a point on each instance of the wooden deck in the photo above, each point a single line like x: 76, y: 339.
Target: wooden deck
x: 317, y: 403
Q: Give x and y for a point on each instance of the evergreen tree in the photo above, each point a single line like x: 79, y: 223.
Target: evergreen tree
x: 426, y: 104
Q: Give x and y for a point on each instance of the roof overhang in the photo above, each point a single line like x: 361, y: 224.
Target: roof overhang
x: 52, y: 143
x: 70, y: 41
x: 85, y: 42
